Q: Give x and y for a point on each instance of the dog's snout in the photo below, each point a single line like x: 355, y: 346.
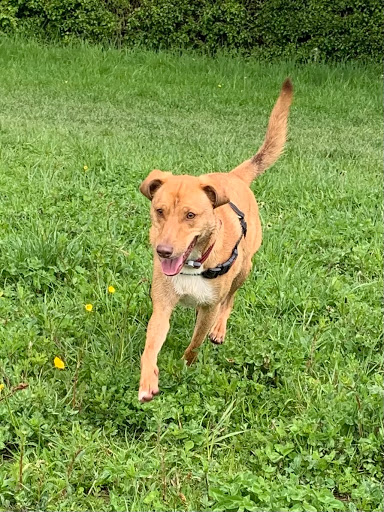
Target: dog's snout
x: 164, y: 251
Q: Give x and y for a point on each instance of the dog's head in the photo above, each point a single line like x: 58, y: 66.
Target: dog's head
x: 182, y: 214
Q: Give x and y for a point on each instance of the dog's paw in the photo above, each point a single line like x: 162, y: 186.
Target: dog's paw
x: 217, y: 340
x: 190, y: 357
x: 149, y: 384
x: 218, y: 331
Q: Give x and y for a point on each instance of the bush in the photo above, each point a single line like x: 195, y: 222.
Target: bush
x: 339, y: 29
x: 89, y: 20
x: 310, y: 29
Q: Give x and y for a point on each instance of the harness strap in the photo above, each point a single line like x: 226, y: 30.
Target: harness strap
x: 223, y: 268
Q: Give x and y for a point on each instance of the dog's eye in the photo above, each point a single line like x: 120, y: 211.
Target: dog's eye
x: 191, y: 215
x: 159, y: 211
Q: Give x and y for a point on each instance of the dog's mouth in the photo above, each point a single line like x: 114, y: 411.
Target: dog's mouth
x: 172, y: 266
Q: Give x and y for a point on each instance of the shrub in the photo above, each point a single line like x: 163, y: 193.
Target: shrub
x: 89, y: 20
x: 310, y: 29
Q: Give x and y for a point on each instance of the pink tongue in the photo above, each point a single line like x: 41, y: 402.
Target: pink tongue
x: 173, y: 266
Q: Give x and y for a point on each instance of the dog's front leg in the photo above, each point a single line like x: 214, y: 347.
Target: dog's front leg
x: 157, y: 331
x: 206, y: 317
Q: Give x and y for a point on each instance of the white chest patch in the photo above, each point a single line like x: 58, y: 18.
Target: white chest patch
x: 193, y: 290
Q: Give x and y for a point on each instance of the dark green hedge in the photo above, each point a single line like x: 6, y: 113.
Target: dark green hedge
x: 308, y: 29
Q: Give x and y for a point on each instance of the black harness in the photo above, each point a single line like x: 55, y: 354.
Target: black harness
x: 222, y: 268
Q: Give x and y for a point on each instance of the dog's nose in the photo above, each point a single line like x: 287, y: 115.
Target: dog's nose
x: 164, y: 251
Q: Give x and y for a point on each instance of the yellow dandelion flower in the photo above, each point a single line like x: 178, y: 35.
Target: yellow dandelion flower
x: 59, y: 363
x: 111, y: 289
x: 2, y: 386
x: 85, y: 167
x: 88, y: 307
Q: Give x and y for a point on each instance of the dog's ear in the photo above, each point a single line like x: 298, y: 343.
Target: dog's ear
x: 215, y: 190
x: 153, y: 182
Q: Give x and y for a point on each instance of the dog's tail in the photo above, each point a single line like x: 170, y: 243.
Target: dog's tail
x: 274, y: 141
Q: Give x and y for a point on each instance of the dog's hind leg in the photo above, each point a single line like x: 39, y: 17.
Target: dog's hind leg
x: 206, y: 317
x: 217, y: 333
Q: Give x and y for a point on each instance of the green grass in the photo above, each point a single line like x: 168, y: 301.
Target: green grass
x: 287, y: 414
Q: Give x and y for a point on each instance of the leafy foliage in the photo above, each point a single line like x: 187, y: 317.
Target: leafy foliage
x: 311, y: 30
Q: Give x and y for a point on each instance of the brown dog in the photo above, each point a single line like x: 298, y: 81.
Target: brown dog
x: 204, y: 233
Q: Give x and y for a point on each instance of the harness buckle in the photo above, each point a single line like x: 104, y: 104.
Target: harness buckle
x: 193, y: 264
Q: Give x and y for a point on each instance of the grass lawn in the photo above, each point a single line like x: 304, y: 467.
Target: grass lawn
x: 287, y: 414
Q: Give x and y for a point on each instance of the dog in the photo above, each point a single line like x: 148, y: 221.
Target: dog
x: 204, y: 233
